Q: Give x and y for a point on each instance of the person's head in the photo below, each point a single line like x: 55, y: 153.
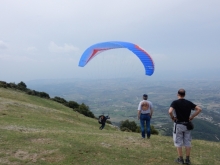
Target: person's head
x: 145, y: 96
x: 181, y: 93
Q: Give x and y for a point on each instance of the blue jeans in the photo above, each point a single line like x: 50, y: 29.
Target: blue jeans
x: 145, y: 118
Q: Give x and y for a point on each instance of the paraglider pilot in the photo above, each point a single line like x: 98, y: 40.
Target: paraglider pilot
x: 102, y: 120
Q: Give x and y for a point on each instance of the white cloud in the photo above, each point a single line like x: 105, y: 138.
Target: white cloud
x: 3, y: 45
x: 31, y: 49
x: 61, y: 49
x: 16, y: 59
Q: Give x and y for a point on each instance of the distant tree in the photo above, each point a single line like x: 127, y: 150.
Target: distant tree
x: 34, y: 92
x: 109, y: 122
x: 60, y: 100
x: 12, y: 85
x: 29, y: 92
x: 73, y: 104
x: 44, y: 95
x: 84, y: 109
x: 124, y: 129
x: 22, y: 86
x: 153, y: 130
x: 131, y: 125
x: 3, y: 84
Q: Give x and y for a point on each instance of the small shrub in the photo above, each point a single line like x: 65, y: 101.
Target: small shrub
x: 125, y: 129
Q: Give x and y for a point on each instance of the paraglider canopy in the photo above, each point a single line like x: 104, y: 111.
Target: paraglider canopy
x: 95, y: 49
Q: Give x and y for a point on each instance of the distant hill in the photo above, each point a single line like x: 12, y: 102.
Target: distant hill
x: 40, y: 131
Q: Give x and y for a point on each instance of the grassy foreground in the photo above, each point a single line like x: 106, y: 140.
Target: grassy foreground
x: 40, y: 131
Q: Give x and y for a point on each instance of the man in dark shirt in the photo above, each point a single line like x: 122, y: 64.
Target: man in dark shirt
x: 180, y: 113
x: 103, y: 121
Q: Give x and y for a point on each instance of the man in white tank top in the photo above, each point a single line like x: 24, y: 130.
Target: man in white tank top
x: 145, y: 112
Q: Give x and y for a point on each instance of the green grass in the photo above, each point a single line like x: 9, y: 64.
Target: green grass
x: 41, y: 131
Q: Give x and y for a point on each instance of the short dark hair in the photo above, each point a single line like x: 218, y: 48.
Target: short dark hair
x: 182, y: 92
x: 145, y: 95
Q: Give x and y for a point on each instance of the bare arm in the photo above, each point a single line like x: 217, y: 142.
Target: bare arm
x: 197, y: 111
x: 151, y: 111
x: 171, y: 113
x: 139, y: 111
x: 139, y: 114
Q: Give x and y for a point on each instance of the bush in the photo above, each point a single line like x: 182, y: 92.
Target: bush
x: 129, y: 125
x: 132, y: 126
x: 73, y: 104
x: 44, y: 95
x: 109, y: 122
x: 84, y: 109
x: 12, y: 85
x: 125, y: 129
x: 22, y: 86
x: 3, y: 84
x: 153, y: 130
x: 60, y: 100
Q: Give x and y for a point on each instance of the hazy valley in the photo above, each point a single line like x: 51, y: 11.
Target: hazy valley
x: 120, y: 97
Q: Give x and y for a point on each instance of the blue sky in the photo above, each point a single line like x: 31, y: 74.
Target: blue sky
x: 44, y: 39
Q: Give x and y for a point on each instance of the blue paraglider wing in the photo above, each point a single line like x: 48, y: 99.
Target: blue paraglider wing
x: 93, y: 50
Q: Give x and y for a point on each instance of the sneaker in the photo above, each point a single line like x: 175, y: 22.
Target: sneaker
x: 148, y: 137
x: 187, y: 161
x: 180, y: 161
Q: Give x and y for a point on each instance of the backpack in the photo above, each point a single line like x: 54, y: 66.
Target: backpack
x: 100, y: 119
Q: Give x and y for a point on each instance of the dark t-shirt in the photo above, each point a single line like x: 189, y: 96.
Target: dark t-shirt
x: 183, y: 109
x: 104, y: 119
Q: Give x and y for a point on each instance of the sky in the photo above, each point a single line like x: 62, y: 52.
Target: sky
x: 44, y: 39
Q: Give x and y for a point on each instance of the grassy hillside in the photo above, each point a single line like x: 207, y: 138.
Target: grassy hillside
x: 40, y: 131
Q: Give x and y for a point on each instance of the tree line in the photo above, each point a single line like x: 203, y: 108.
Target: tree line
x: 81, y: 108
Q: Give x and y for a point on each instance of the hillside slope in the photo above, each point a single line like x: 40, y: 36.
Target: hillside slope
x: 41, y: 131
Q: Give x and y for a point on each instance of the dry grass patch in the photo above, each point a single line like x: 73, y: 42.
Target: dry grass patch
x: 25, y: 157
x: 19, y: 128
x: 42, y: 140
